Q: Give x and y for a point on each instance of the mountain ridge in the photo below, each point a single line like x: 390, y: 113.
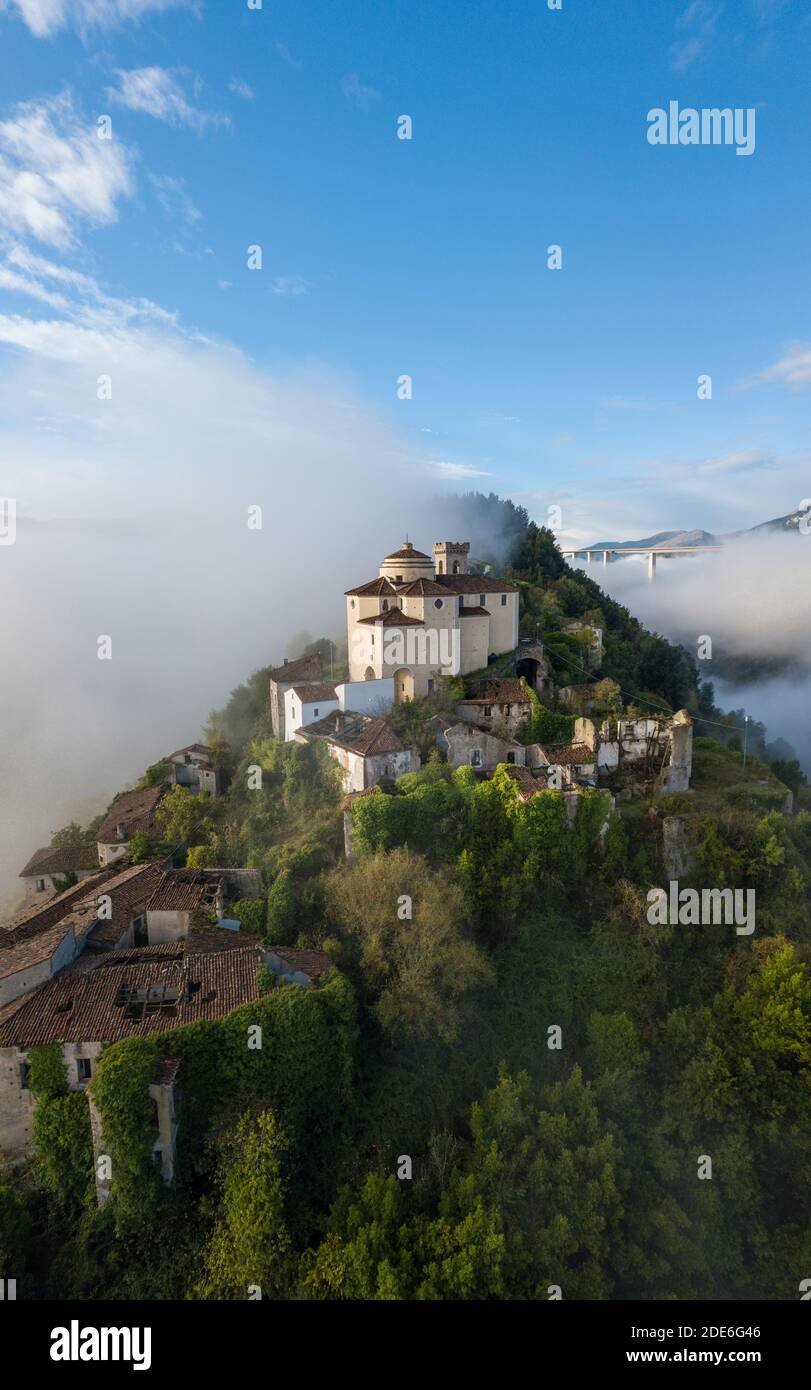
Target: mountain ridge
x: 791, y: 521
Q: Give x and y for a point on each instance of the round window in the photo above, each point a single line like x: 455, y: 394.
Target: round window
x: 437, y: 603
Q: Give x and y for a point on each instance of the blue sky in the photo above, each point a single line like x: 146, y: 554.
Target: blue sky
x: 277, y: 126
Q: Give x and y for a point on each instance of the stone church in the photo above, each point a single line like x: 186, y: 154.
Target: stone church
x: 425, y: 616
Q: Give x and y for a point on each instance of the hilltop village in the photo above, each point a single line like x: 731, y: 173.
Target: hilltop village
x: 335, y: 1000
x: 112, y: 943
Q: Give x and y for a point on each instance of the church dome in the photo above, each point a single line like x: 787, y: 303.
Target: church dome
x: 407, y: 564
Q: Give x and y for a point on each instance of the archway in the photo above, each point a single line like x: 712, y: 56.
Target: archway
x: 530, y: 669
x: 403, y: 685
x: 369, y: 674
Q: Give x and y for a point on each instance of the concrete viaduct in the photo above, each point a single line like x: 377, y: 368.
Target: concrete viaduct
x: 652, y: 552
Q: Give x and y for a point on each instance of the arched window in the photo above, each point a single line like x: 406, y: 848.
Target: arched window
x: 456, y: 566
x: 385, y: 605
x: 439, y: 569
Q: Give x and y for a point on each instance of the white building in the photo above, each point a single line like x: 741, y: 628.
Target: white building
x: 423, y: 618
x: 306, y: 704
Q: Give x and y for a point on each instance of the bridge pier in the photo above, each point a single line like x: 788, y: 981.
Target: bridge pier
x: 651, y: 566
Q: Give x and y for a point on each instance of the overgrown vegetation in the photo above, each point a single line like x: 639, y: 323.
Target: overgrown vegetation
x: 509, y: 1078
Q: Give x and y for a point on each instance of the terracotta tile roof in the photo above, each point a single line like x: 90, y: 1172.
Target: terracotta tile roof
x: 508, y: 691
x: 67, y: 860
x: 475, y: 584
x: 181, y: 890
x: 39, y: 916
x: 32, y: 950
x: 379, y: 586
x: 376, y: 737
x: 302, y: 668
x: 568, y: 754
x: 422, y: 588
x: 477, y: 612
x: 527, y: 784
x: 312, y: 963
x: 358, y: 733
x: 393, y: 618
x: 129, y: 889
x: 308, y: 694
x: 132, y: 993
x: 203, y: 940
x: 407, y: 552
x: 470, y: 728
x: 33, y: 938
x: 135, y: 811
x: 198, y: 751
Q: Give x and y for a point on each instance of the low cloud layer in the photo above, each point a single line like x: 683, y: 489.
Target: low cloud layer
x: 132, y: 523
x: 754, y: 600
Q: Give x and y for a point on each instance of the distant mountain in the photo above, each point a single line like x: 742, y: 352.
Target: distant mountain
x: 685, y: 538
x: 791, y: 522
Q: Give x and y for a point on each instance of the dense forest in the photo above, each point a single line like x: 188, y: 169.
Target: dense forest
x: 511, y: 1082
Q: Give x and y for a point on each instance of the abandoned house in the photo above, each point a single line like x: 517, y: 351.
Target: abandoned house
x: 192, y: 768
x: 366, y: 749
x: 129, y: 815
x: 50, y: 871
x: 502, y: 705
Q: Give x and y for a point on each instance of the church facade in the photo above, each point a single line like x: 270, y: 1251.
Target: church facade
x: 428, y: 616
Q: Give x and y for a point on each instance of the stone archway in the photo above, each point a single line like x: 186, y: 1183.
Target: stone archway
x: 369, y: 674
x: 403, y: 685
x: 531, y: 670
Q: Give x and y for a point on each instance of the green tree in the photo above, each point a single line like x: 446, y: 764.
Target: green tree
x: 182, y: 816
x: 281, y: 912
x: 250, y: 1244
x: 403, y: 928
x: 68, y: 837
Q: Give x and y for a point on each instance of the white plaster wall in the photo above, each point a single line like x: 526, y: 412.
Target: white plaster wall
x: 367, y: 697
x: 475, y: 641
x: 166, y: 926
x: 299, y: 713
x: 108, y: 854
x: 503, y: 622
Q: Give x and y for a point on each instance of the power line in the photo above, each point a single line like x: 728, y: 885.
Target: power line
x: 641, y: 699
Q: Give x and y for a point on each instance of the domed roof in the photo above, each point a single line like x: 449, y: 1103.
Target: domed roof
x: 407, y: 552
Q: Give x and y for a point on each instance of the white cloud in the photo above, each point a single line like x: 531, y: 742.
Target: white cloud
x: 46, y: 17
x: 792, y: 370
x: 55, y: 172
x: 290, y: 285
x: 241, y: 89
x: 174, y: 199
x: 159, y: 92
x: 357, y: 93
x: 699, y: 20
x: 78, y: 297
x: 195, y: 433
x: 738, y: 462
x: 287, y: 57
x: 443, y: 469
